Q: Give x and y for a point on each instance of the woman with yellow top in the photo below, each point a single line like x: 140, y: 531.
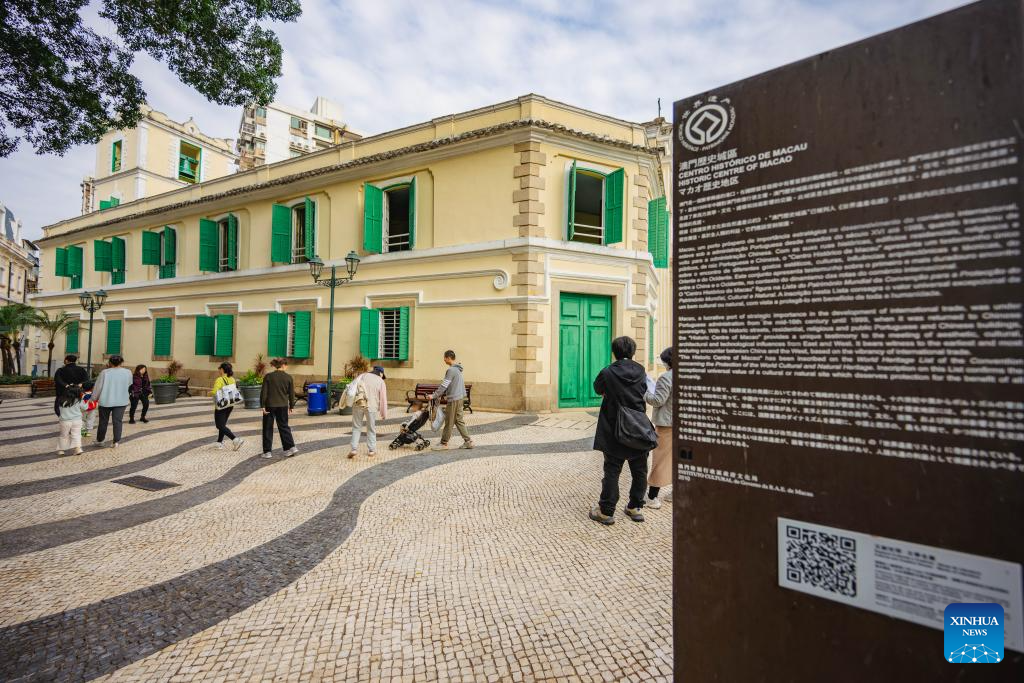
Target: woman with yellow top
x: 220, y: 417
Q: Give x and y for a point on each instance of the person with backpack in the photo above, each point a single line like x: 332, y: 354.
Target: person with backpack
x: 277, y: 398
x: 221, y: 415
x: 453, y: 390
x: 624, y: 433
x: 369, y: 400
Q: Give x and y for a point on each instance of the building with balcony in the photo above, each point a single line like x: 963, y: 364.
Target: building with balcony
x: 516, y: 234
x: 277, y: 132
x: 159, y: 155
x: 19, y: 263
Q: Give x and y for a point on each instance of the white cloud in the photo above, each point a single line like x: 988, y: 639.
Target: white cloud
x: 391, y: 63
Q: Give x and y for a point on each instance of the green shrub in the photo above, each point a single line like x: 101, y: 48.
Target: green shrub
x: 165, y: 379
x: 250, y: 379
x: 15, y: 379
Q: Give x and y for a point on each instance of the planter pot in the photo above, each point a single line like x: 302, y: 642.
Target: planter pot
x: 165, y: 392
x: 251, y: 394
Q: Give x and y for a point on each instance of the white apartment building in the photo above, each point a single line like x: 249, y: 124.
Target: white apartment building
x: 278, y: 131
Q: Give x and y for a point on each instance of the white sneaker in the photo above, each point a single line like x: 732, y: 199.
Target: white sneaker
x: 60, y: 452
x: 218, y: 445
x: 268, y: 456
x: 77, y: 451
x: 290, y: 452
x: 652, y: 503
x: 238, y: 443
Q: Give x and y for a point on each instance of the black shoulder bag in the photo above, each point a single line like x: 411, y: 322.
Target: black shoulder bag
x: 633, y: 429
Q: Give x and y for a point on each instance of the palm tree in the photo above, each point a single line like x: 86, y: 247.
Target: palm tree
x: 13, y: 319
x: 52, y: 326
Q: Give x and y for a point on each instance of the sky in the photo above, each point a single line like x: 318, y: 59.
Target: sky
x: 393, y: 63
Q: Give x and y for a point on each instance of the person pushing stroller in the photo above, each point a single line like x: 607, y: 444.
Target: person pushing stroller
x: 409, y: 433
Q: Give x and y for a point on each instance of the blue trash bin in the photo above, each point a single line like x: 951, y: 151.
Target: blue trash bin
x: 316, y: 400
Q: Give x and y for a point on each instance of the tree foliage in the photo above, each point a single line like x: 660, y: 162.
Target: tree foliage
x: 62, y: 84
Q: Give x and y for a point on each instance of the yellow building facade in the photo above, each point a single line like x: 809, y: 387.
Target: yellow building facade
x: 159, y: 155
x: 515, y: 234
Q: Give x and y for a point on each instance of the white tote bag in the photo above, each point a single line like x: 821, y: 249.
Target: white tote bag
x: 227, y: 396
x: 438, y: 420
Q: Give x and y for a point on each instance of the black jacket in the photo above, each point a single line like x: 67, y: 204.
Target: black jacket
x: 623, y: 383
x: 68, y: 375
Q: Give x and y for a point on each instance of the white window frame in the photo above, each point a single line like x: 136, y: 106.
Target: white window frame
x: 301, y: 201
x: 396, y: 342
x: 385, y: 227
x: 595, y: 168
x: 222, y: 227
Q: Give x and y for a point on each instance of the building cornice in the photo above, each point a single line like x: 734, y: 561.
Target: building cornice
x: 332, y: 169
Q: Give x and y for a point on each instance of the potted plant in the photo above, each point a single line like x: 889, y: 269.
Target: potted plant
x: 165, y: 387
x: 251, y: 383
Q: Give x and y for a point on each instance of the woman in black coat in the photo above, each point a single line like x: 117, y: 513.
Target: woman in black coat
x: 623, y: 385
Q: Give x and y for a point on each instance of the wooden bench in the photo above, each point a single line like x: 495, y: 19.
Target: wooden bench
x: 423, y: 391
x: 183, y: 387
x: 304, y: 394
x: 42, y: 385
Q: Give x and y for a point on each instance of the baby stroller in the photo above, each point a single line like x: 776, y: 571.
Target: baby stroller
x: 410, y: 432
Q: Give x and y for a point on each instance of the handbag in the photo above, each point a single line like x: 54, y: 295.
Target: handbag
x: 633, y: 429
x: 438, y: 420
x: 227, y: 397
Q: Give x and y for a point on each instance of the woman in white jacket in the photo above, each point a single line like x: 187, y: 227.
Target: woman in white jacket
x: 661, y: 399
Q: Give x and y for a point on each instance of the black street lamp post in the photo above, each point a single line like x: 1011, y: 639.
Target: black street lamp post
x: 92, y: 303
x: 316, y: 267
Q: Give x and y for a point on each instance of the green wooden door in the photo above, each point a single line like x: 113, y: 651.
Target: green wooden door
x: 584, y: 347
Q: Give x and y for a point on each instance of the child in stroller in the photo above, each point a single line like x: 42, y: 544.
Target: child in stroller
x: 410, y: 429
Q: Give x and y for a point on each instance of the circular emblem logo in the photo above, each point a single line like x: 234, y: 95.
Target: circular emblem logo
x: 706, y: 124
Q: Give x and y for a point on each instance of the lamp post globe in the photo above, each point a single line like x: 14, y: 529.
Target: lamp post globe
x: 316, y: 266
x: 100, y: 297
x: 352, y: 263
x: 85, y: 299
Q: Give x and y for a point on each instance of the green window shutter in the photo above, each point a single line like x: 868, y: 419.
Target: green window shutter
x: 281, y: 234
x: 117, y: 277
x: 117, y: 260
x: 162, y: 337
x: 224, y: 343
x: 373, y: 219
x: 71, y: 338
x: 209, y: 259
x: 277, y: 334
x: 151, y: 248
x: 113, y: 337
x: 101, y: 256
x: 114, y: 201
x: 232, y: 255
x: 369, y: 332
x: 412, y: 214
x: 170, y: 256
x: 74, y: 261
x: 105, y: 204
x: 60, y: 262
x: 310, y: 228
x: 657, y: 231
x: 301, y: 335
x: 204, y: 335
x: 614, y: 184
x: 403, y: 333
x: 571, y: 203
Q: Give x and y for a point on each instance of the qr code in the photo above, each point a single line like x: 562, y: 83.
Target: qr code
x: 824, y: 561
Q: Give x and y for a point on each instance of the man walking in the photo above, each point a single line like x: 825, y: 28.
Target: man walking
x: 453, y: 389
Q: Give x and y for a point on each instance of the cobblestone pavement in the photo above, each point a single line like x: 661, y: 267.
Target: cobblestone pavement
x: 472, y: 565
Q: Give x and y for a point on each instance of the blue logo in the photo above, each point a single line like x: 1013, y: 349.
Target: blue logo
x: 974, y: 633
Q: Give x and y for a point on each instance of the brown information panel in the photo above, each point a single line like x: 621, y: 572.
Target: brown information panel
x: 850, y: 410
